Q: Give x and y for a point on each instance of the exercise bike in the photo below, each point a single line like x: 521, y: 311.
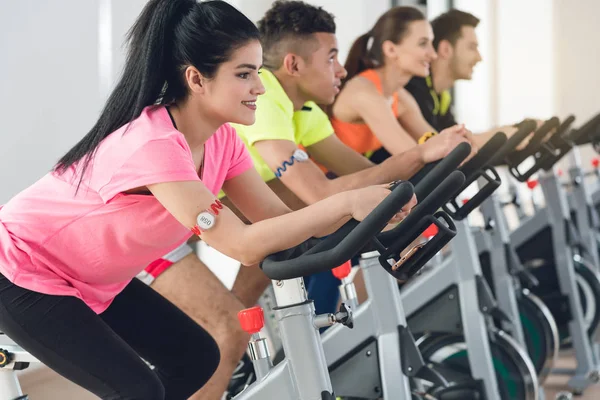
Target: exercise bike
x: 304, y: 373
x: 450, y: 309
x: 545, y: 243
x: 527, y: 320
x: 12, y: 359
x: 367, y: 361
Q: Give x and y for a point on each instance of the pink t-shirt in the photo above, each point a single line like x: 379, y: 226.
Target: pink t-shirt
x: 92, y: 244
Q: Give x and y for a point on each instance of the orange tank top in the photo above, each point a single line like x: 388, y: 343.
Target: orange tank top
x: 358, y: 135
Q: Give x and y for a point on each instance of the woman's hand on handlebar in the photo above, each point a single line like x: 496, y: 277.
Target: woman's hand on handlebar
x: 440, y: 145
x: 366, y: 199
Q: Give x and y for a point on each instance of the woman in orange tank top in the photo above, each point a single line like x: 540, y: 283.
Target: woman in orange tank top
x: 373, y: 113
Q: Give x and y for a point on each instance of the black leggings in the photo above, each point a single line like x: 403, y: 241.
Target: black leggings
x: 102, y: 352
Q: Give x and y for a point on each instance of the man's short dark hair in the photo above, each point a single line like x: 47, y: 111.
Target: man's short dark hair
x: 288, y: 26
x: 448, y: 26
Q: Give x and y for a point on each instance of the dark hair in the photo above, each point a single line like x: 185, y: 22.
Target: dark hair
x: 393, y: 26
x: 293, y: 20
x: 448, y: 26
x: 167, y: 37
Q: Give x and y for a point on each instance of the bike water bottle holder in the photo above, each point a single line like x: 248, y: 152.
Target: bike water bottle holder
x: 493, y: 181
x: 404, y: 266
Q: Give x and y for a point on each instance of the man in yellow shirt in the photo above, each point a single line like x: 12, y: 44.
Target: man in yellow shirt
x: 301, y: 70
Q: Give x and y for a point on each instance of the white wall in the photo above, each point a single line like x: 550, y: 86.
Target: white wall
x: 540, y: 59
x: 576, y: 61
x: 576, y: 58
x: 353, y: 18
x: 525, y: 55
x: 516, y: 78
x: 474, y: 101
x: 48, y: 79
x: 123, y: 15
x: 435, y: 8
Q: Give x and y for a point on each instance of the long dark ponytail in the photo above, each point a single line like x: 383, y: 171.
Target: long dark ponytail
x: 367, y: 52
x: 167, y: 37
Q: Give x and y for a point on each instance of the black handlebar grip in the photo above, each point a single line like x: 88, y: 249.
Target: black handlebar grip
x: 544, y: 130
x: 347, y: 241
x: 416, y: 257
x: 474, y: 169
x: 492, y: 182
x: 483, y: 156
x: 557, y: 146
x: 417, y: 222
x: 324, y: 256
x: 549, y: 153
x: 432, y: 174
x: 565, y: 136
x: 543, y: 153
x: 589, y: 132
x: 428, y: 206
x: 524, y: 129
x: 517, y: 157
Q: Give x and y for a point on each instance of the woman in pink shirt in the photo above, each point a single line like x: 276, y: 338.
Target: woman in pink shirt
x: 141, y: 182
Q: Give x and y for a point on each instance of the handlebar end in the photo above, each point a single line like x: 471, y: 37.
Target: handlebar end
x: 342, y: 271
x: 252, y: 319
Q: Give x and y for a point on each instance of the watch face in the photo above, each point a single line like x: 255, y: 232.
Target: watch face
x: 300, y: 155
x: 205, y: 220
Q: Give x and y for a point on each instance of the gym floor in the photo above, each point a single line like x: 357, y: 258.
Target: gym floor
x: 43, y: 384
x: 558, y: 383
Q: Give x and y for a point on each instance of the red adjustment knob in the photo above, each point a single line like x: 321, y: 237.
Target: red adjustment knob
x: 532, y: 184
x: 465, y: 201
x: 595, y: 162
x: 342, y: 271
x: 431, y: 231
x: 252, y: 319
x: 559, y: 172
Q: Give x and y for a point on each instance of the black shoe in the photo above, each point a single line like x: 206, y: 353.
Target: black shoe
x: 242, y: 377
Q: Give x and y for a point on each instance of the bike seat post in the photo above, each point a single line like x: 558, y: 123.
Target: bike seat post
x: 252, y: 321
x: 347, y: 288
